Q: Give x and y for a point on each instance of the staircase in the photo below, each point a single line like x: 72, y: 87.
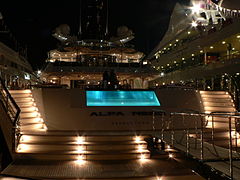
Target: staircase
x: 218, y: 101
x: 30, y: 118
x: 38, y: 143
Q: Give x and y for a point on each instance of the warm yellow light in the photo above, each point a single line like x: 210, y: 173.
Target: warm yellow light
x: 159, y: 178
x: 22, y: 148
x: 211, y: 47
x: 238, y: 36
x: 235, y: 134
x: 194, y: 24
x: 80, y: 140
x: 224, y: 42
x: 80, y: 160
x: 137, y: 139
x: 140, y: 148
x: 189, y: 32
x: 143, y: 157
x: 171, y: 155
x: 195, y: 8
x: 25, y: 138
x: 80, y: 149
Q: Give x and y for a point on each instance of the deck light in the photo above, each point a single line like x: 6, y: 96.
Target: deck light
x: 194, y: 24
x: 80, y: 160
x: 22, y: 148
x: 80, y: 140
x: 224, y: 42
x: 80, y: 149
x: 195, y: 8
x: 171, y: 155
x: 140, y: 148
x: 211, y: 47
x: 143, y: 157
x: 25, y: 138
x: 137, y: 139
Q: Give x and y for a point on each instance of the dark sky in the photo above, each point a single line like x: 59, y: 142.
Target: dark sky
x: 32, y: 22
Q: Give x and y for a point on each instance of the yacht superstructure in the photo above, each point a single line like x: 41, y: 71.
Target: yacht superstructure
x: 110, y: 126
x: 201, y: 47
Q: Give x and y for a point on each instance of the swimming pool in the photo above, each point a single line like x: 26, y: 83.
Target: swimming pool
x: 121, y: 98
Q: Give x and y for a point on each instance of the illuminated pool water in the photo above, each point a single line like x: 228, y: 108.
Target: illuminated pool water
x: 121, y: 98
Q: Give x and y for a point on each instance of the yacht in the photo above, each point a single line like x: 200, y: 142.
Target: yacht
x: 15, y: 70
x: 95, y: 116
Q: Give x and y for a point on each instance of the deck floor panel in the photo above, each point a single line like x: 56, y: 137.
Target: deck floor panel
x: 96, y: 169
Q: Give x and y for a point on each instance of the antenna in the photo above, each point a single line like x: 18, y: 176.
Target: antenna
x: 80, y: 19
x: 106, y: 33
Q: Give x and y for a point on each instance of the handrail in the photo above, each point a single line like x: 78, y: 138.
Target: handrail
x: 13, y: 111
x: 230, y: 116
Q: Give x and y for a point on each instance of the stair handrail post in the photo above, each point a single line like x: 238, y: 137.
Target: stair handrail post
x: 230, y: 147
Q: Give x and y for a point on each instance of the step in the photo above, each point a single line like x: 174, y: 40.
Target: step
x: 213, y: 92
x: 33, y: 127
x: 217, y: 100
x: 31, y: 120
x: 27, y: 100
x: 28, y: 109
x: 89, y: 138
x: 87, y: 157
x: 219, y: 104
x: 29, y: 114
x: 26, y: 104
x: 220, y: 119
x: 32, y: 148
x: 221, y: 96
x: 216, y: 109
x: 21, y: 95
x: 20, y: 91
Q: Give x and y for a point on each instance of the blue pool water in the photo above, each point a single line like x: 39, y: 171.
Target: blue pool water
x: 121, y: 98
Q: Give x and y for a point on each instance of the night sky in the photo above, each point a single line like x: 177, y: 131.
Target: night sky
x: 32, y: 22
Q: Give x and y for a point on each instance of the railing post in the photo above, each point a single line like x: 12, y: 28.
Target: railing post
x: 162, y: 132
x: 212, y: 129
x: 202, y: 150
x: 172, y: 131
x: 187, y: 135
x: 236, y: 136
x: 230, y: 149
x: 153, y: 122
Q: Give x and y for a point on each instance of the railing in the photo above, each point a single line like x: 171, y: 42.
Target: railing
x: 13, y: 112
x: 201, y: 120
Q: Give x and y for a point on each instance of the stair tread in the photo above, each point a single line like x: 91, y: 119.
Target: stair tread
x: 70, y: 143
x: 88, y: 152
